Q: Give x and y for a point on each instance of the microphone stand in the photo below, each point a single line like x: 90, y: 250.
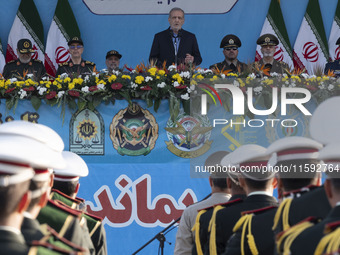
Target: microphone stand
x: 160, y: 236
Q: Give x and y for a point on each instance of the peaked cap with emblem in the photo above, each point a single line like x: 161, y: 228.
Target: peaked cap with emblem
x: 267, y: 39
x: 325, y: 121
x: 75, y: 39
x: 230, y: 41
x: 113, y: 53
x: 25, y: 46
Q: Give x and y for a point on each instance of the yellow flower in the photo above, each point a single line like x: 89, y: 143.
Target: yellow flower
x: 152, y: 71
x: 200, y: 77
x: 139, y: 79
x: 193, y: 82
x: 161, y: 72
x: 78, y: 81
x: 71, y: 85
x: 101, y: 82
x: 158, y: 77
x: 124, y: 76
x: 242, y: 84
x: 67, y: 79
x: 214, y: 78
x: 232, y: 74
x: 2, y: 83
x: 112, y: 78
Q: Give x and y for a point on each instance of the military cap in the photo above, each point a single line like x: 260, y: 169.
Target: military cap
x: 267, y: 39
x: 230, y: 41
x: 25, y: 46
x: 215, y: 160
x: 113, y: 53
x: 75, y: 168
x: 338, y: 41
x: 252, y: 160
x: 324, y: 124
x: 232, y: 171
x: 75, y: 39
x: 330, y: 155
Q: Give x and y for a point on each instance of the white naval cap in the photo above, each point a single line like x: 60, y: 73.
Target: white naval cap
x: 38, y: 140
x: 75, y: 168
x: 294, y: 147
x: 330, y: 155
x: 232, y: 170
x: 252, y: 159
x: 325, y: 121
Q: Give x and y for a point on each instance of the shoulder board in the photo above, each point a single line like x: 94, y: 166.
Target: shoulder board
x: 331, y: 226
x: 63, y: 207
x: 302, y: 190
x: 37, y: 60
x: 89, y: 63
x: 258, y: 211
x: 94, y: 216
x: 232, y: 202
x: 64, y: 64
x: 58, y: 195
x: 12, y: 61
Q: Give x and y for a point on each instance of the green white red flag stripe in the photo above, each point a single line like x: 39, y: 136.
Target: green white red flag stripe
x: 334, y: 50
x: 63, y: 27
x: 311, y: 48
x: 274, y: 24
x: 27, y: 24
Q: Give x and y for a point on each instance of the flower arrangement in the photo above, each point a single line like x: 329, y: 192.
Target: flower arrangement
x: 153, y: 84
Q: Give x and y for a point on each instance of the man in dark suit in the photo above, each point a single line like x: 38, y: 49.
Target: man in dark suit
x: 333, y: 66
x: 175, y: 45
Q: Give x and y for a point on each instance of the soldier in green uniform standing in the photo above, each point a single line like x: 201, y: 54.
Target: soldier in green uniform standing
x: 76, y: 65
x: 24, y: 65
x: 268, y: 43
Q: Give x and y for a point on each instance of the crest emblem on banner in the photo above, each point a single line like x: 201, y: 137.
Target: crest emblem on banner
x: 87, y: 133
x: 188, y: 135
x: 134, y: 131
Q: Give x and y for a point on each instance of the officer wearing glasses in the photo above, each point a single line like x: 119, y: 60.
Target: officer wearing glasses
x: 76, y: 65
x: 230, y: 44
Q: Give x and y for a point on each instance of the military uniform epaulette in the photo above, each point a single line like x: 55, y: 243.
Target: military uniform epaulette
x: 260, y: 210
x: 12, y: 61
x: 89, y: 63
x: 69, y: 201
x: 232, y: 202
x: 331, y: 226
x: 299, y: 191
x: 36, y: 60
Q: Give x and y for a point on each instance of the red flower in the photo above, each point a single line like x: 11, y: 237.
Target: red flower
x: 73, y: 93
x: 9, y: 90
x: 147, y: 87
x: 93, y: 88
x: 116, y: 86
x: 51, y: 95
x: 181, y: 87
x: 31, y: 88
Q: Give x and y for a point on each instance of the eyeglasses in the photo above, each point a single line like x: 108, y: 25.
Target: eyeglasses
x: 228, y: 49
x: 72, y: 47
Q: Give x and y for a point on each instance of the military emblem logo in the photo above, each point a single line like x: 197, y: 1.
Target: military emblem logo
x: 188, y: 135
x: 134, y: 131
x: 231, y: 41
x: 87, y: 133
x: 267, y: 39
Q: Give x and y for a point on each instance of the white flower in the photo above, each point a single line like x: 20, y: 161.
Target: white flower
x: 176, y: 84
x: 258, y: 89
x: 274, y: 74
x: 192, y: 87
x: 22, y: 93
x: 236, y: 83
x: 61, y: 93
x: 330, y: 86
x: 133, y: 71
x: 312, y: 76
x: 252, y: 76
x: 223, y: 76
x: 41, y: 90
x: 148, y: 78
x: 265, y: 78
x: 100, y: 86
x: 305, y: 76
x: 105, y: 71
x: 185, y: 96
x: 322, y: 86
x: 200, y: 70
x: 285, y: 75
x: 134, y: 85
x: 185, y: 74
x: 29, y: 75
x: 85, y: 89
x: 172, y: 67
x: 13, y: 80
x: 287, y: 82
x: 208, y: 71
x: 161, y: 85
x: 63, y: 76
x: 87, y: 78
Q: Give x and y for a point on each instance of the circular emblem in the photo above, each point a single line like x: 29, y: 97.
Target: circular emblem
x: 310, y: 52
x: 61, y: 55
x: 35, y: 55
x: 278, y: 55
x: 337, y: 53
x: 188, y: 135
x: 26, y: 44
x: 267, y: 39
x: 231, y: 41
x: 87, y: 129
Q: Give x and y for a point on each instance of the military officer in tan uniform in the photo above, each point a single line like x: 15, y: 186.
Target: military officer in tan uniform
x: 24, y: 65
x: 76, y: 66
x: 268, y: 43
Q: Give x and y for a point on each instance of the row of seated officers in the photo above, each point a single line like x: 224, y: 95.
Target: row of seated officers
x: 40, y: 211
x: 243, y: 217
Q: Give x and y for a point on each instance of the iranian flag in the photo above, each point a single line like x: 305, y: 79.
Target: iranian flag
x: 311, y: 49
x: 27, y: 24
x: 63, y: 27
x: 2, y: 58
x: 334, y: 50
x: 274, y: 24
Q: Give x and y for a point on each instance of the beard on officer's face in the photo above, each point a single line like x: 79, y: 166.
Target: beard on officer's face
x: 24, y: 58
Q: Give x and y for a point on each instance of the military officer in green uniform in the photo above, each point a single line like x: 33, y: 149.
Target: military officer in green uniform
x: 24, y: 66
x: 334, y: 66
x: 76, y: 65
x: 230, y: 44
x: 268, y: 43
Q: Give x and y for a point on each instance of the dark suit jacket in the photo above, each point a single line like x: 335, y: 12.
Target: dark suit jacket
x: 12, y: 244
x: 30, y: 229
x: 163, y: 48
